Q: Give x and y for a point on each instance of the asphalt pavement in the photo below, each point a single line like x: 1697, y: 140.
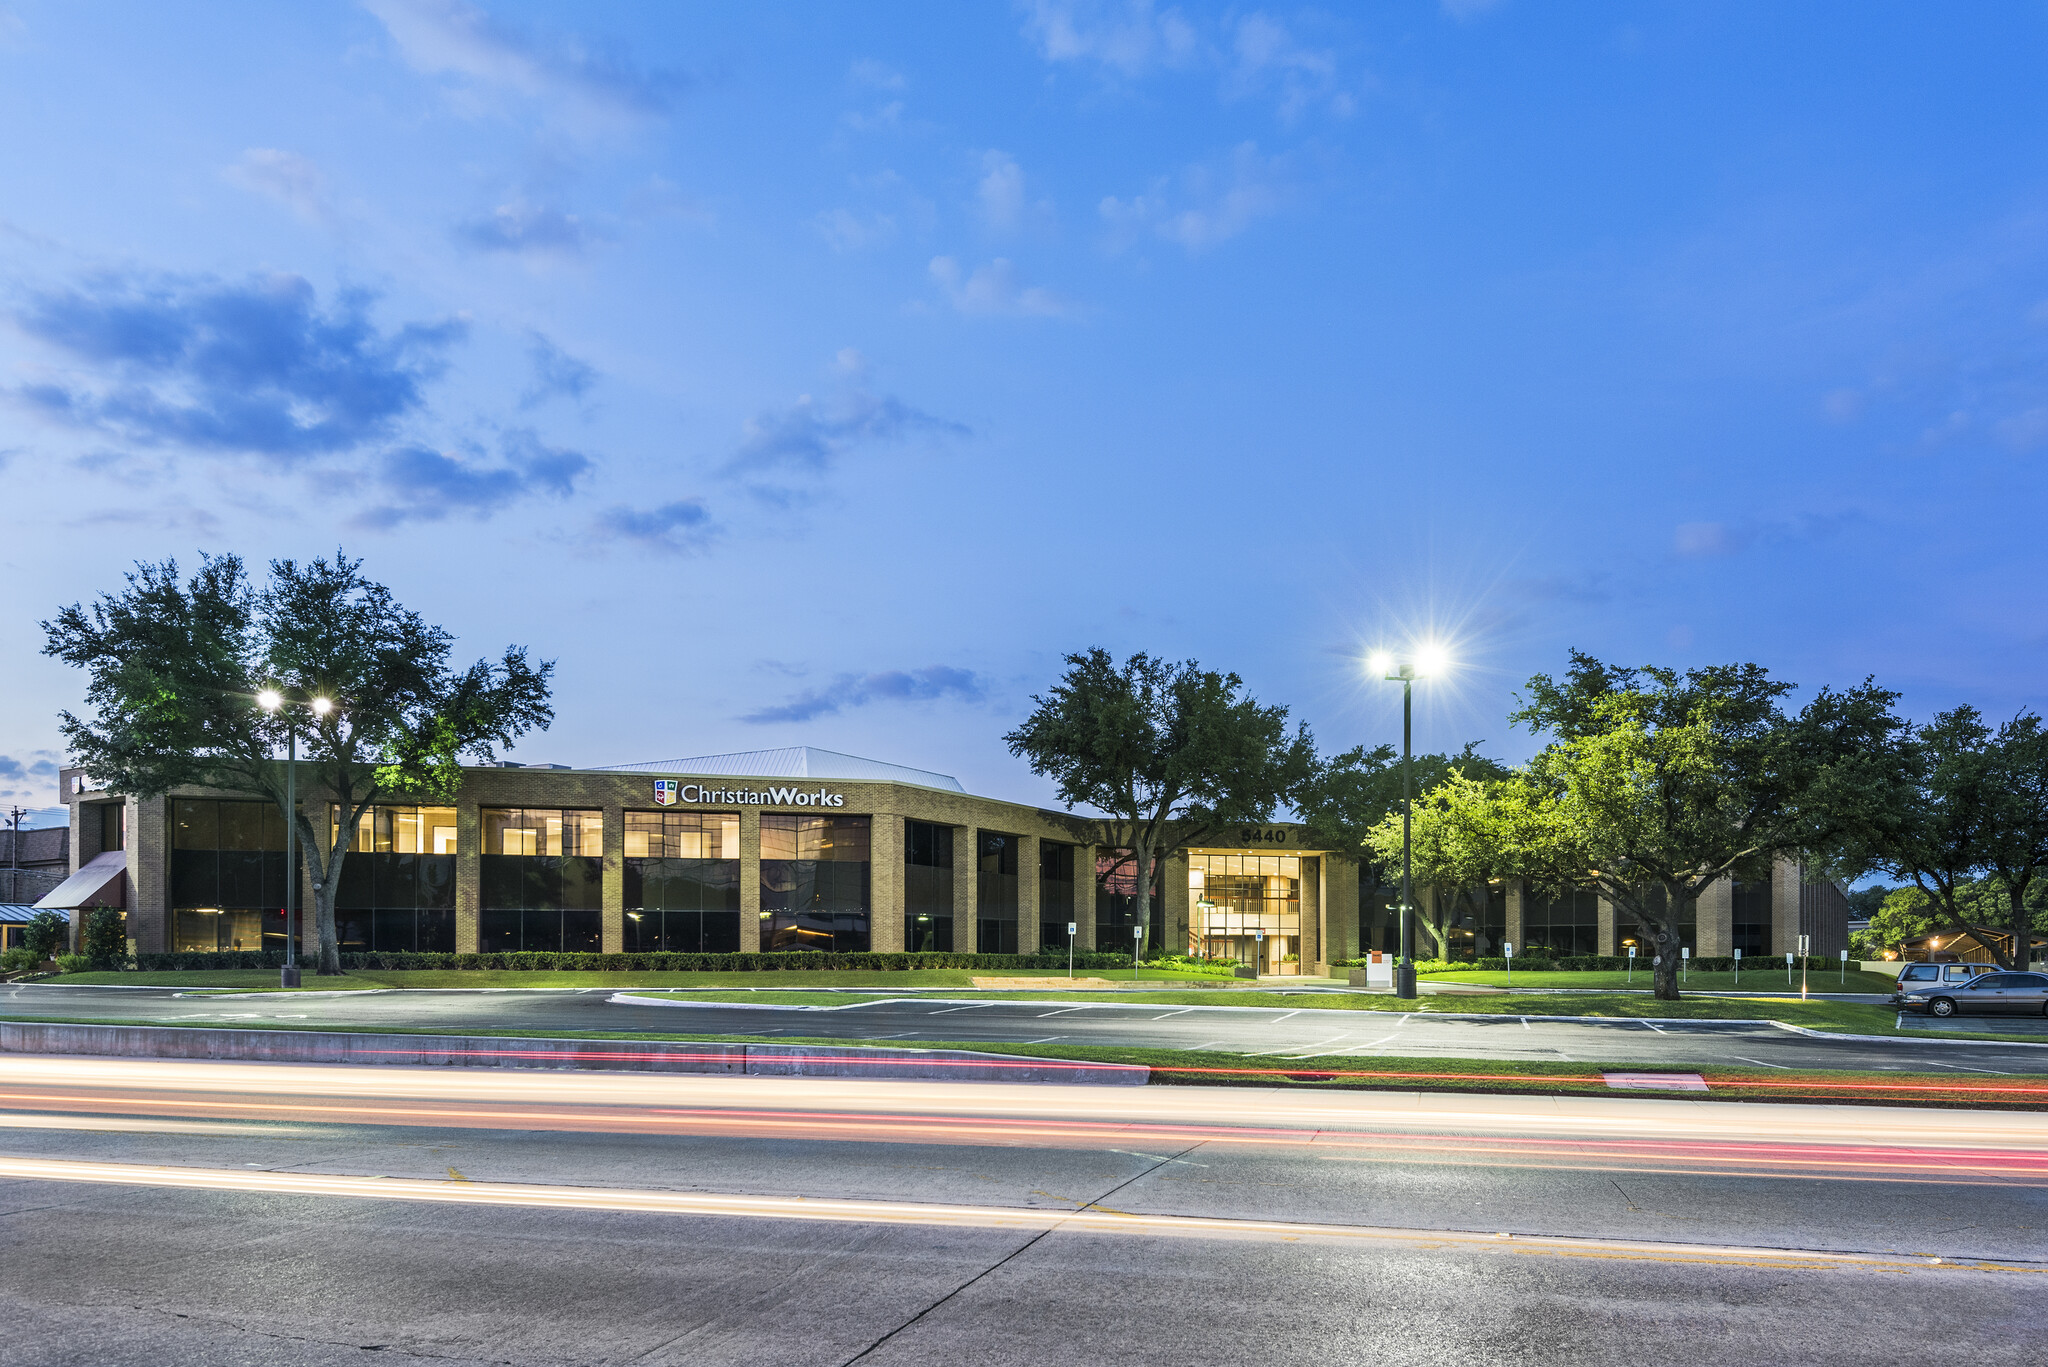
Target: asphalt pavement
x: 1254, y: 1031
x: 156, y: 1212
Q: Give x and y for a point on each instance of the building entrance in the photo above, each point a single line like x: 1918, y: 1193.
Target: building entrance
x: 1232, y: 895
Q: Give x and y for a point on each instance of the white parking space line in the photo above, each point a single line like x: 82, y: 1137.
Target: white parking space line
x: 1183, y: 1011
x: 1759, y: 1062
x: 1047, y: 1040
x: 1525, y: 1022
x: 1277, y: 1019
x: 971, y: 1006
x: 1654, y: 1026
x: 1973, y: 1070
x: 1043, y: 1014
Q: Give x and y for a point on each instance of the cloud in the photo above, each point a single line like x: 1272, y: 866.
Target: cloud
x: 451, y: 37
x: 859, y: 690
x: 256, y: 366
x: 286, y: 177
x: 678, y: 527
x: 1265, y: 56
x: 1001, y: 191
x: 555, y: 374
x: 424, y: 485
x: 847, y: 231
x: 1210, y: 205
x: 995, y: 289
x: 35, y: 764
x: 875, y: 75
x: 1127, y: 37
x: 811, y: 436
x: 528, y: 229
x: 1708, y: 540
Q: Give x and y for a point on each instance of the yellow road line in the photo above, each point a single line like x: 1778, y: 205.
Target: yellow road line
x: 1088, y: 1220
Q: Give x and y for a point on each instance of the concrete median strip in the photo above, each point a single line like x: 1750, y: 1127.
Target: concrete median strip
x: 1087, y: 1219
x: 488, y: 1051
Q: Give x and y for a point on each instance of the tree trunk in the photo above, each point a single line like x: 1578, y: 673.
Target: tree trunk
x: 1664, y: 962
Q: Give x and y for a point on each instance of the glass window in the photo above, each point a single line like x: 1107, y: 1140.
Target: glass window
x: 397, y: 885
x: 227, y: 874
x: 995, y: 893
x: 1232, y: 896
x: 1566, y: 925
x: 1751, y: 915
x: 927, y: 887
x: 682, y: 882
x: 1055, y: 893
x: 542, y: 831
x: 541, y: 880
x: 814, y: 882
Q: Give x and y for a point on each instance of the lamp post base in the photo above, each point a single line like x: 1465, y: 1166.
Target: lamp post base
x: 1404, y: 981
x: 288, y: 977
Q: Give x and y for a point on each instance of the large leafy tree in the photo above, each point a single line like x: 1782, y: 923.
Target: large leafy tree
x: 1168, y: 754
x: 1972, y: 836
x: 1352, y: 802
x: 174, y: 666
x: 1660, y: 781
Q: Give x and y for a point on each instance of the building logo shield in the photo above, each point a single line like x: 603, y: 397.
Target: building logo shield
x: 665, y: 792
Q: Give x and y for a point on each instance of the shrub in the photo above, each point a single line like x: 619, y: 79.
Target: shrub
x: 73, y: 963
x: 17, y: 960
x: 106, y: 938
x: 47, y: 933
x: 795, y: 961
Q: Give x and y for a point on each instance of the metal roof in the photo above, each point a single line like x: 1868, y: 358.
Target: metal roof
x: 88, y: 886
x: 796, y: 761
x: 16, y: 912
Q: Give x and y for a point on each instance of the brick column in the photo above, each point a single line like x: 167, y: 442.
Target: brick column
x: 966, y: 890
x: 1174, y: 908
x: 1785, y: 880
x: 1714, y: 920
x: 1339, y: 904
x: 750, y: 880
x: 1512, y: 932
x: 885, y: 884
x: 1084, y: 898
x: 469, y: 834
x: 149, y: 861
x: 1603, y: 938
x: 614, y: 933
x: 1027, y: 894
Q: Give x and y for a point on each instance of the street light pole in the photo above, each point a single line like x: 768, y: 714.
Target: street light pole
x: 271, y: 700
x: 1404, y: 972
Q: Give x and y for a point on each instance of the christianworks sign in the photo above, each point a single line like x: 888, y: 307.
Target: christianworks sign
x: 669, y: 791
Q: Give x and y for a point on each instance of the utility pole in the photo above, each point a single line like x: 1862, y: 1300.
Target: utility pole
x: 14, y: 816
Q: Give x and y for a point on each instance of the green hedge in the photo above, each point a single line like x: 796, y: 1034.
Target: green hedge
x: 795, y: 962
x: 1601, y: 963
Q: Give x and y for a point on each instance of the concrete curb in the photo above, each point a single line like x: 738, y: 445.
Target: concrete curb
x: 489, y: 1051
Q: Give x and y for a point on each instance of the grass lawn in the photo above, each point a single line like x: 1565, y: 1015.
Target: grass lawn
x: 247, y: 978
x: 1763, y: 978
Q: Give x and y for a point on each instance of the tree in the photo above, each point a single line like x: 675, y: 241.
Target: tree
x: 1867, y: 902
x: 1659, y: 780
x: 45, y: 934
x: 1972, y: 835
x: 1169, y: 754
x: 1450, y: 849
x: 1352, y: 802
x: 1907, y: 914
x: 174, y: 668
x: 105, y: 940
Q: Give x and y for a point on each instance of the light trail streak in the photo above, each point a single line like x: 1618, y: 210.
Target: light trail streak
x: 1699, y: 1157
x: 1085, y: 1220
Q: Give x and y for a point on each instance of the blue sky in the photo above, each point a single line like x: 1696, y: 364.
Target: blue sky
x: 808, y: 374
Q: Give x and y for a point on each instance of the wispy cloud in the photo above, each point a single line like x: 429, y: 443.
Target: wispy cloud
x: 677, y: 528
x: 419, y: 484
x: 996, y: 289
x: 1708, y: 540
x: 454, y: 38
x: 812, y: 435
x: 1266, y: 57
x: 523, y: 228
x: 846, y: 230
x: 1207, y: 205
x: 859, y: 690
x: 1127, y: 37
x: 286, y: 177
x: 255, y: 366
x: 556, y: 374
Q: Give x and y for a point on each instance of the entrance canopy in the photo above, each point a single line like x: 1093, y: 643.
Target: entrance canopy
x: 101, y: 883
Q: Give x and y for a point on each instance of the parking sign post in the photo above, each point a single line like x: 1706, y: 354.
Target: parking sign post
x: 1073, y: 929
x: 1845, y: 968
x: 1803, y: 942
x: 1685, y: 965
x: 1631, y: 966
x: 1507, y: 948
x: 1738, y: 968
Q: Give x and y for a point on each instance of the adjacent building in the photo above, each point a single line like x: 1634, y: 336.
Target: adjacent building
x: 799, y: 849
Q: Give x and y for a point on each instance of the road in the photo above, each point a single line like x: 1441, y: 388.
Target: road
x: 208, y: 1213
x: 1276, y: 1033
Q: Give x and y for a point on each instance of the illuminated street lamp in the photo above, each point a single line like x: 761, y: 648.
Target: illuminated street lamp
x: 270, y: 700
x: 1428, y: 661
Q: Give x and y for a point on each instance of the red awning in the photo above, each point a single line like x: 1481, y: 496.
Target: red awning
x: 101, y: 883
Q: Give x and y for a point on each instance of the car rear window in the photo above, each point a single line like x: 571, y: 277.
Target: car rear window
x: 1919, y: 974
x: 2026, y: 980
